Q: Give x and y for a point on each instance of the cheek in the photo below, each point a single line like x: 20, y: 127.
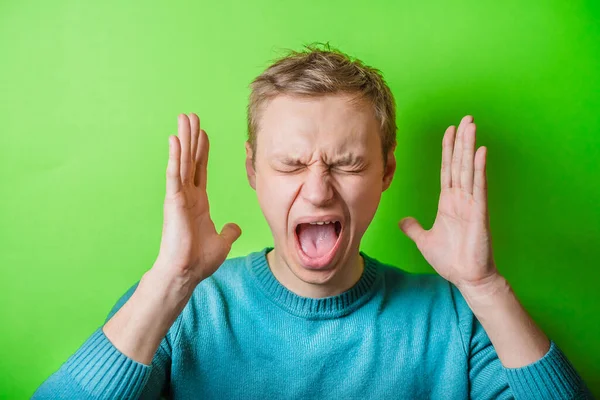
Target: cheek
x: 276, y: 195
x: 362, y: 198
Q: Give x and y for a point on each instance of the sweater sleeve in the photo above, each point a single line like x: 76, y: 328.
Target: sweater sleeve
x: 551, y: 377
x: 98, y: 370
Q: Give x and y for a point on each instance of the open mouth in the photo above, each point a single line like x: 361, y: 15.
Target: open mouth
x: 318, y: 241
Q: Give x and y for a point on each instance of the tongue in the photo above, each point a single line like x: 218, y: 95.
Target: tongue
x: 317, y: 240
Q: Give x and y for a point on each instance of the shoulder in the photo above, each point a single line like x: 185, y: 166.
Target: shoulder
x: 424, y: 289
x: 397, y: 279
x: 224, y: 296
x: 229, y: 278
x: 229, y: 284
x: 426, y: 297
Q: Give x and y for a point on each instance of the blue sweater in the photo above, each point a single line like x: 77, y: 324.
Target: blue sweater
x: 393, y: 335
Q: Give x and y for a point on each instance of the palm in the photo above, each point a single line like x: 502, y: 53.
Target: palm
x: 190, y: 244
x: 459, y: 240
x: 458, y: 245
x: 189, y: 233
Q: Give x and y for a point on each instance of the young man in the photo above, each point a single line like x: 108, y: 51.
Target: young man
x: 314, y: 317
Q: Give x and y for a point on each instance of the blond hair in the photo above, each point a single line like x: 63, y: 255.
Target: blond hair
x: 319, y: 70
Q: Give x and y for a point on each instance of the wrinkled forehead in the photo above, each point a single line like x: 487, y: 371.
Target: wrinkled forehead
x: 332, y: 124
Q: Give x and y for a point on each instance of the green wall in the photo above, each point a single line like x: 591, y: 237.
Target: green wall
x: 90, y: 93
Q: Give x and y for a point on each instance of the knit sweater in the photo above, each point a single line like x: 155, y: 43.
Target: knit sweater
x: 393, y: 335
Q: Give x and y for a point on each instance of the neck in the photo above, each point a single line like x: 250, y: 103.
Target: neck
x: 344, y: 277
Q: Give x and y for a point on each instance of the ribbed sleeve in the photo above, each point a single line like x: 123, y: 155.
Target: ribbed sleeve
x: 243, y: 335
x: 551, y: 377
x: 103, y: 372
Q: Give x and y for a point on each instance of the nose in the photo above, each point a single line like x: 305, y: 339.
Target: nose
x: 317, y: 188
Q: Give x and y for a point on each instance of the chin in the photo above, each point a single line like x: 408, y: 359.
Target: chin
x: 314, y: 276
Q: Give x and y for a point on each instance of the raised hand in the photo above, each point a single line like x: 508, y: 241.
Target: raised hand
x: 458, y: 246
x: 190, y: 248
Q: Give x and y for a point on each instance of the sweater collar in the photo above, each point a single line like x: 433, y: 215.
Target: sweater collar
x: 313, y: 308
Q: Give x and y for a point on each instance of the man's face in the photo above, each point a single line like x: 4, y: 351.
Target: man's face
x: 319, y: 176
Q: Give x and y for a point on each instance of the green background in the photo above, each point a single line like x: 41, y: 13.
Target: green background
x: 90, y: 93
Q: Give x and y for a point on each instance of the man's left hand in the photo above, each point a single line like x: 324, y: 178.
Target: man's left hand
x: 458, y: 246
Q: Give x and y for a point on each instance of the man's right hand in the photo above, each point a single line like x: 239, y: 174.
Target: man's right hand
x: 190, y: 250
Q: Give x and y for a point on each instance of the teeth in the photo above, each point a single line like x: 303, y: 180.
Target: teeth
x: 322, y: 222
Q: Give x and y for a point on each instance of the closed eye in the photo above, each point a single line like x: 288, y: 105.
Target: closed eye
x: 347, y: 170
x: 289, y: 170
x: 350, y: 167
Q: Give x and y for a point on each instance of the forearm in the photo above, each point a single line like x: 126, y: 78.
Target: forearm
x: 137, y: 329
x: 518, y: 341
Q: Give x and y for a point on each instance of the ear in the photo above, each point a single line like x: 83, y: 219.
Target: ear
x: 390, y: 169
x: 250, y: 172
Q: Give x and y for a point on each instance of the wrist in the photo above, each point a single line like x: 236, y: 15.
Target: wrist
x: 142, y: 322
x: 514, y: 335
x: 160, y: 283
x: 486, y: 292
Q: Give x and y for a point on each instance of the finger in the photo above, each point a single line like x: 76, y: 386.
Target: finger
x: 466, y: 168
x: 184, y: 138
x: 447, y: 149
x: 194, y: 128
x: 202, y: 161
x: 173, y: 177
x: 231, y: 232
x: 480, y: 179
x: 457, y: 152
x: 412, y: 228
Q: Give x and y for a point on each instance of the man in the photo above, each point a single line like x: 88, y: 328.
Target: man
x: 314, y: 317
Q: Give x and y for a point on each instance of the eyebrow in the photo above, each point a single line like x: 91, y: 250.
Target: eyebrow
x: 345, y: 160
x: 349, y: 159
x: 288, y: 160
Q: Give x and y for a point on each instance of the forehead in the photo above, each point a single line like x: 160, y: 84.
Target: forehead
x: 329, y: 123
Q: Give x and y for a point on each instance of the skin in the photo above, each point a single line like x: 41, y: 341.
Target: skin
x: 318, y: 156
x: 459, y: 247
x: 316, y: 132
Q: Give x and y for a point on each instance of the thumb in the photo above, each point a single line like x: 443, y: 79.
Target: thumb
x: 231, y: 232
x: 411, y: 228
